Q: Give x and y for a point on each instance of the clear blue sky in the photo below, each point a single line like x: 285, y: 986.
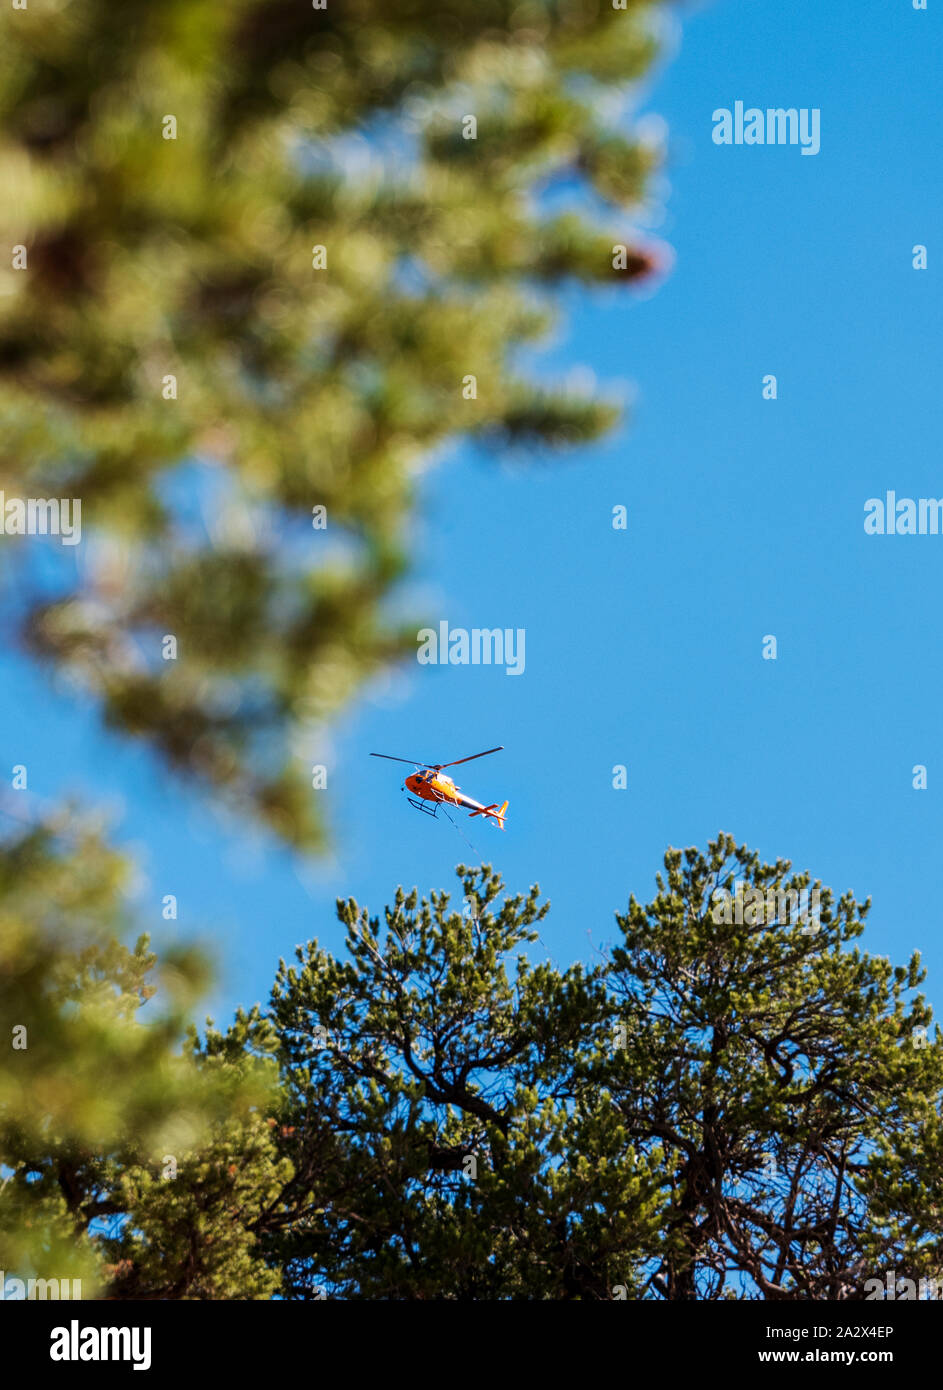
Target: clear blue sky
x: 644, y: 646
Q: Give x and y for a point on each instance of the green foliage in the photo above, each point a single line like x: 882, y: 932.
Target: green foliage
x: 737, y: 1104
x: 190, y: 1235
x: 441, y: 1147
x: 96, y: 1094
x: 296, y: 387
x: 733, y: 1104
x: 774, y: 1063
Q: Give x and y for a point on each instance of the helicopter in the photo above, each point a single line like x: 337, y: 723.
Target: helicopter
x: 429, y: 784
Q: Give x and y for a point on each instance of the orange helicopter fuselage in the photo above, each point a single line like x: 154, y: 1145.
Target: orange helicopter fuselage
x: 429, y: 783
x: 436, y: 786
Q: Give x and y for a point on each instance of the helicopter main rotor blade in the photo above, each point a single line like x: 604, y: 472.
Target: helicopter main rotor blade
x: 471, y: 758
x: 389, y: 756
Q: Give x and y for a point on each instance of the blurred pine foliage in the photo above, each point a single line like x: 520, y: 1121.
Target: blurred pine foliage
x: 168, y: 170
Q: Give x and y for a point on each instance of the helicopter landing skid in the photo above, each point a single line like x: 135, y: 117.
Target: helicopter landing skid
x: 424, y: 806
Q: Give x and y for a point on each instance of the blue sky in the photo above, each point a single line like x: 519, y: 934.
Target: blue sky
x: 643, y: 646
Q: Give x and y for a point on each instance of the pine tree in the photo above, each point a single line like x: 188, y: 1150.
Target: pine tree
x: 441, y: 1146
x: 99, y: 1107
x: 190, y: 1231
x: 739, y: 1102
x: 773, y: 1061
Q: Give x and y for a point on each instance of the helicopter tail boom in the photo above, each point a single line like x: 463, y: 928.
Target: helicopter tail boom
x: 493, y: 812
